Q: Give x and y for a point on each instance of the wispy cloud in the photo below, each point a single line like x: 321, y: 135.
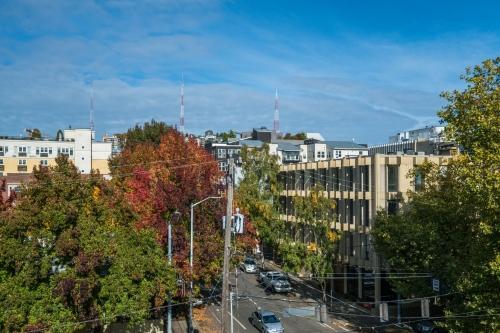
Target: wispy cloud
x: 347, y: 85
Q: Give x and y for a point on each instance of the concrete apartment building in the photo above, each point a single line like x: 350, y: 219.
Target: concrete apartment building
x: 19, y: 155
x: 360, y: 186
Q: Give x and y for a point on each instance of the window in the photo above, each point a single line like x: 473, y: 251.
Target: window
x: 365, y: 178
x: 349, y: 179
x: 392, y: 207
x: 366, y: 246
x: 338, y: 154
x: 351, y: 211
x: 44, y: 162
x: 419, y: 181
x: 221, y: 153
x: 22, y: 162
x: 320, y: 154
x: 351, y: 245
x: 1, y: 162
x: 336, y: 179
x: 22, y: 151
x: 65, y: 151
x: 43, y: 151
x: 223, y: 166
x: 366, y: 213
x: 392, y: 178
x: 3, y: 150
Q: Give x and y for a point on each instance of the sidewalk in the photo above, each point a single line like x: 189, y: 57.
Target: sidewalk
x: 343, y: 313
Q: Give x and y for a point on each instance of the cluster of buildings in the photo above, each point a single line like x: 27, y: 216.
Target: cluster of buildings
x: 19, y: 155
x: 360, y: 180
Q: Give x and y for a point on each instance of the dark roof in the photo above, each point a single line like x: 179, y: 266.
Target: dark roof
x: 251, y: 143
x: 344, y: 145
x: 286, y: 146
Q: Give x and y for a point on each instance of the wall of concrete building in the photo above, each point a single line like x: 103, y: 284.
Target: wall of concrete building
x: 362, y: 185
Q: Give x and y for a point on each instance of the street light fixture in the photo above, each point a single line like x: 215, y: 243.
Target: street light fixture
x: 191, y: 260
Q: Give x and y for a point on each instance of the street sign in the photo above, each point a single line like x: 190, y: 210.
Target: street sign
x: 237, y: 223
x: 435, y: 285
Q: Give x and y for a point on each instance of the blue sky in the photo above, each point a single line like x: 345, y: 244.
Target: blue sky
x: 364, y: 70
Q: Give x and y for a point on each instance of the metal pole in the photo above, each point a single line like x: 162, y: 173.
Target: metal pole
x: 169, y: 313
x: 227, y: 248
x: 399, y: 308
x: 231, y: 306
x: 191, y: 272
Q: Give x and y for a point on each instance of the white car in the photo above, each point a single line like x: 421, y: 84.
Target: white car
x: 249, y: 266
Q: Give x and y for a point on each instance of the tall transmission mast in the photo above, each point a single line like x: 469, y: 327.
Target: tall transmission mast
x: 276, y: 125
x: 181, y: 120
x: 91, y: 111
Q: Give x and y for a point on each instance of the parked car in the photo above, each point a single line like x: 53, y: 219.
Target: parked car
x: 280, y: 285
x: 265, y: 276
x: 266, y: 322
x: 249, y: 266
x: 428, y: 326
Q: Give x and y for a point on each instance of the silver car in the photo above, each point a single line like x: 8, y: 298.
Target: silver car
x: 266, y: 322
x: 249, y: 266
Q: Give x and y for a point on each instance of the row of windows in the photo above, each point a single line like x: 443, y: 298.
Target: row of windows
x: 223, y: 153
x: 40, y: 151
x: 333, y: 179
x: 24, y: 162
x: 344, y: 210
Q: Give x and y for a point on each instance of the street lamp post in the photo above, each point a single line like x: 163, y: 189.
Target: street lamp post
x: 191, y: 260
x: 169, y: 310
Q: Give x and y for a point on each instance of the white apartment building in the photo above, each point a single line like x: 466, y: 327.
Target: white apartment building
x: 19, y: 155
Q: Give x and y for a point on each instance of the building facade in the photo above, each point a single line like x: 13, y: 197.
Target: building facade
x: 21, y: 155
x: 360, y: 187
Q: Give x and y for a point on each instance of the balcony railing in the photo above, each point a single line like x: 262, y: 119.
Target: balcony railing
x: 2, y: 167
x: 22, y: 168
x: 22, y: 154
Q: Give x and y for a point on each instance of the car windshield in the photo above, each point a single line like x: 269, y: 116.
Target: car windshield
x: 270, y: 319
x: 282, y: 279
x: 249, y: 262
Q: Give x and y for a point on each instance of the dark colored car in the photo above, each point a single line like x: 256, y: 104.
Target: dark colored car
x: 427, y: 326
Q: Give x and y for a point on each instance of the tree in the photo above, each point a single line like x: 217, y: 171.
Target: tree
x: 304, y: 245
x: 69, y: 255
x: 313, y: 215
x: 258, y: 193
x: 159, y: 176
x: 150, y: 132
x: 451, y: 227
x: 225, y: 136
x: 35, y: 133
x: 296, y: 136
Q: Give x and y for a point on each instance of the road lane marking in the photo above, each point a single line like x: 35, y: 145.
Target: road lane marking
x: 237, y: 321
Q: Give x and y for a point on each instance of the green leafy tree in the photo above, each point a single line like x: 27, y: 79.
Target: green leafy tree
x: 451, y: 227
x: 296, y: 136
x: 305, y: 245
x: 313, y: 215
x: 258, y: 193
x: 225, y: 136
x: 150, y: 132
x: 35, y: 134
x: 69, y: 253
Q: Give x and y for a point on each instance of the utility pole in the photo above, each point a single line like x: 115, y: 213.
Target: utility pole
x: 227, y: 248
x: 231, y: 294
x: 169, y: 312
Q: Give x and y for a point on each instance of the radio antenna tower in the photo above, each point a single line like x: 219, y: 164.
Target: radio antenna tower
x: 276, y: 126
x: 91, y: 116
x: 181, y: 120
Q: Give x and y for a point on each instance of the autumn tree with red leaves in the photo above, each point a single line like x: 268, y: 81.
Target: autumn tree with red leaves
x: 160, y: 176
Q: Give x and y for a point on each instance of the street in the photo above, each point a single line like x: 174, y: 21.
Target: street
x: 296, y: 313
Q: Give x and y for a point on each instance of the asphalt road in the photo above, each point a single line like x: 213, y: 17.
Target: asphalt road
x: 295, y: 312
